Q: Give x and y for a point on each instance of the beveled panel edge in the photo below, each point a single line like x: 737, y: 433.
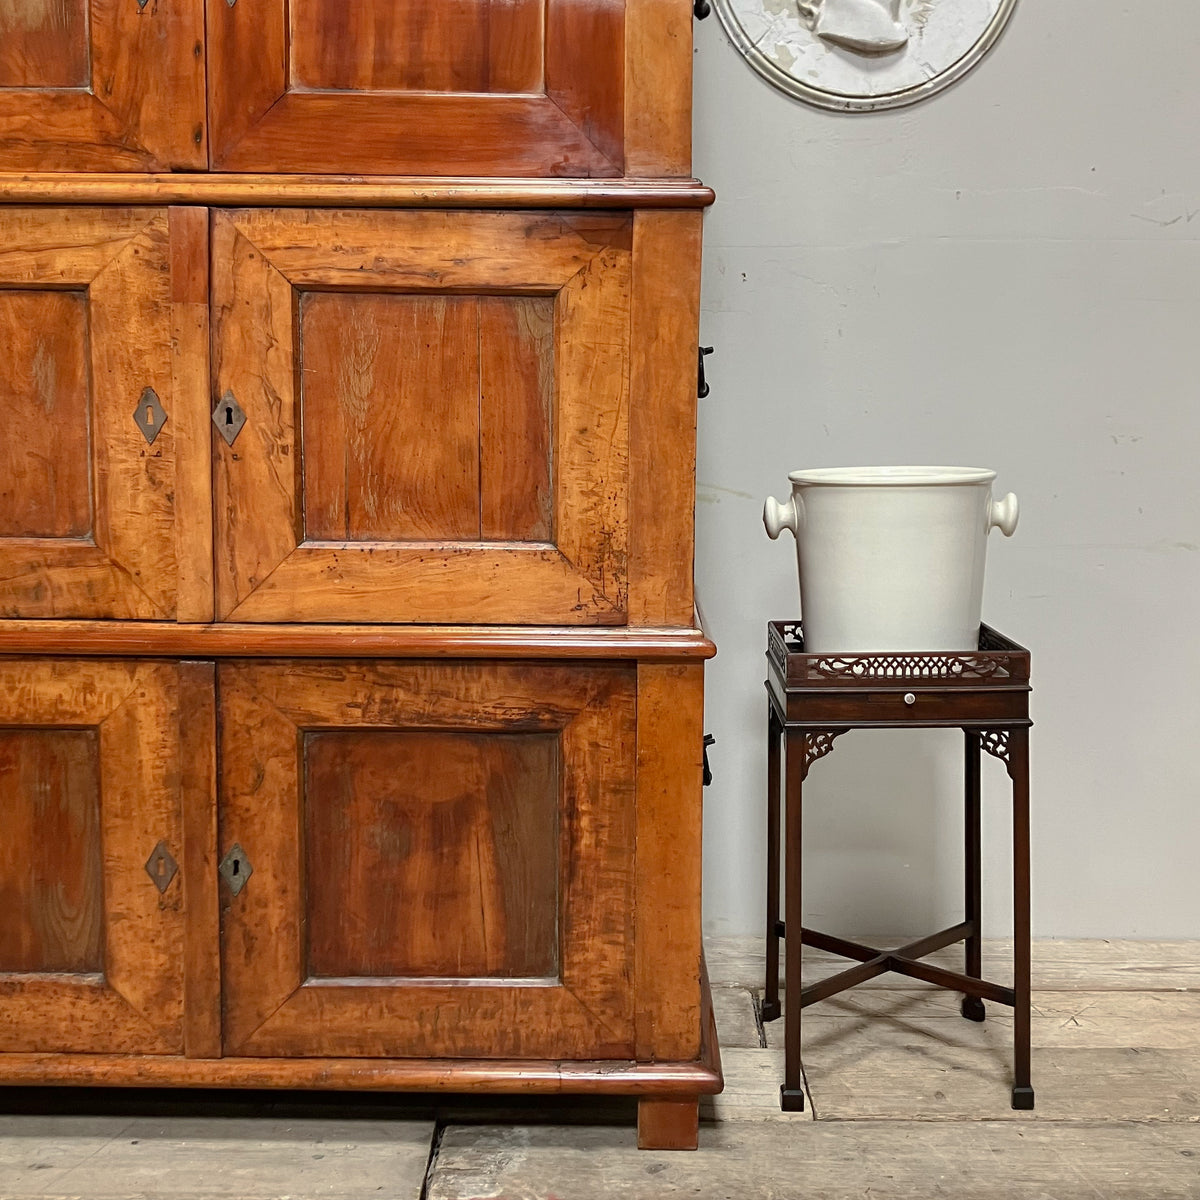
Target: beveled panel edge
x: 164, y: 639
x: 350, y: 191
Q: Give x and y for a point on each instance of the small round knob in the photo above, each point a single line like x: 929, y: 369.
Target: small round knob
x: 909, y: 698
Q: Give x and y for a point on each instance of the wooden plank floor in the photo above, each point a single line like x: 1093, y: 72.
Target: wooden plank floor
x: 906, y: 1100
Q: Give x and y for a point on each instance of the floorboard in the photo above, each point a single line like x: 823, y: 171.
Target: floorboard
x: 117, y: 1158
x: 828, y: 1161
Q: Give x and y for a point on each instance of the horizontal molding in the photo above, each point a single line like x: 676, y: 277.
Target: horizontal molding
x: 477, y: 1076
x: 338, y: 191
x: 164, y: 639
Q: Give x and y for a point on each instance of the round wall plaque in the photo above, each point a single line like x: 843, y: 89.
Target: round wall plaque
x: 858, y: 55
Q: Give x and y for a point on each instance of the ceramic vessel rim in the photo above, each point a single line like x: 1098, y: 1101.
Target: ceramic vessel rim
x: 892, y: 476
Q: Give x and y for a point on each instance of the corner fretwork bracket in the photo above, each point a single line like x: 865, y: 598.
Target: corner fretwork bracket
x: 818, y: 744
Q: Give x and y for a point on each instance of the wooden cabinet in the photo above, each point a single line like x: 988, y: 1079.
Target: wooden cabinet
x: 102, y: 85
x: 519, y: 88
x: 472, y: 87
x: 91, y: 944
x: 437, y: 416
x: 88, y: 460
x: 351, y: 690
x: 418, y: 835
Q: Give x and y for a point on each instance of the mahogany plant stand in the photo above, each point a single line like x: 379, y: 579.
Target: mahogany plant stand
x: 815, y: 698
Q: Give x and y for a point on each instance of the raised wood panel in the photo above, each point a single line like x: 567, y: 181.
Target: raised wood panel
x: 45, y: 484
x: 272, y: 1003
x: 431, y: 854
x: 415, y: 45
x: 463, y: 87
x: 516, y: 418
x: 43, y: 43
x: 87, y: 506
x: 51, y: 890
x: 426, y: 417
x: 390, y: 398
x: 515, y: 481
x: 89, y: 786
x: 102, y: 85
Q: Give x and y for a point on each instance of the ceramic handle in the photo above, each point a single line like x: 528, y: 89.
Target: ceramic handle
x: 778, y: 517
x: 1005, y: 514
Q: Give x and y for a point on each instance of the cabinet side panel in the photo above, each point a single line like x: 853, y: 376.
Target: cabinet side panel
x: 658, y: 88
x: 665, y: 325
x: 670, y: 780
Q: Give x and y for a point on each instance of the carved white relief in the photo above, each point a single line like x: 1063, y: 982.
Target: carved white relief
x: 868, y: 26
x: 863, y: 54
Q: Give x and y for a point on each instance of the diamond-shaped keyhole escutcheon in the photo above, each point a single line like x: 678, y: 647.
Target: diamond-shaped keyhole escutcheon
x: 162, y: 868
x: 150, y: 416
x: 235, y: 869
x: 228, y: 417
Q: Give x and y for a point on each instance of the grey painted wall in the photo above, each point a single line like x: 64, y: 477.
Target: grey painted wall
x: 1007, y: 276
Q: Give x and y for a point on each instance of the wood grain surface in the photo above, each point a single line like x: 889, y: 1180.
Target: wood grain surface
x: 43, y: 43
x: 391, y: 422
x: 191, y: 405
x: 274, y: 1006
x: 516, y: 418
x: 233, y: 189
x: 431, y: 854
x: 420, y: 264
x: 89, y: 531
x: 666, y: 318
x: 202, y: 920
x: 233, y: 640
x: 669, y: 807
x: 45, y: 459
x: 110, y: 807
x: 51, y: 886
x: 411, y: 45
x: 534, y: 87
x: 102, y: 86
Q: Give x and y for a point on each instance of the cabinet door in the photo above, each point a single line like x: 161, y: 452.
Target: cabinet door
x: 102, y: 85
x: 436, y: 416
x: 451, y: 87
x: 437, y: 859
x: 91, y: 940
x: 91, y: 449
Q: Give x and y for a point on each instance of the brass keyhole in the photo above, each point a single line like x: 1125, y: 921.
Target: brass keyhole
x: 149, y: 415
x: 237, y: 866
x: 228, y: 416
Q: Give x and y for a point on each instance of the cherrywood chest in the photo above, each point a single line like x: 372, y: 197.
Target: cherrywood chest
x: 351, y: 691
